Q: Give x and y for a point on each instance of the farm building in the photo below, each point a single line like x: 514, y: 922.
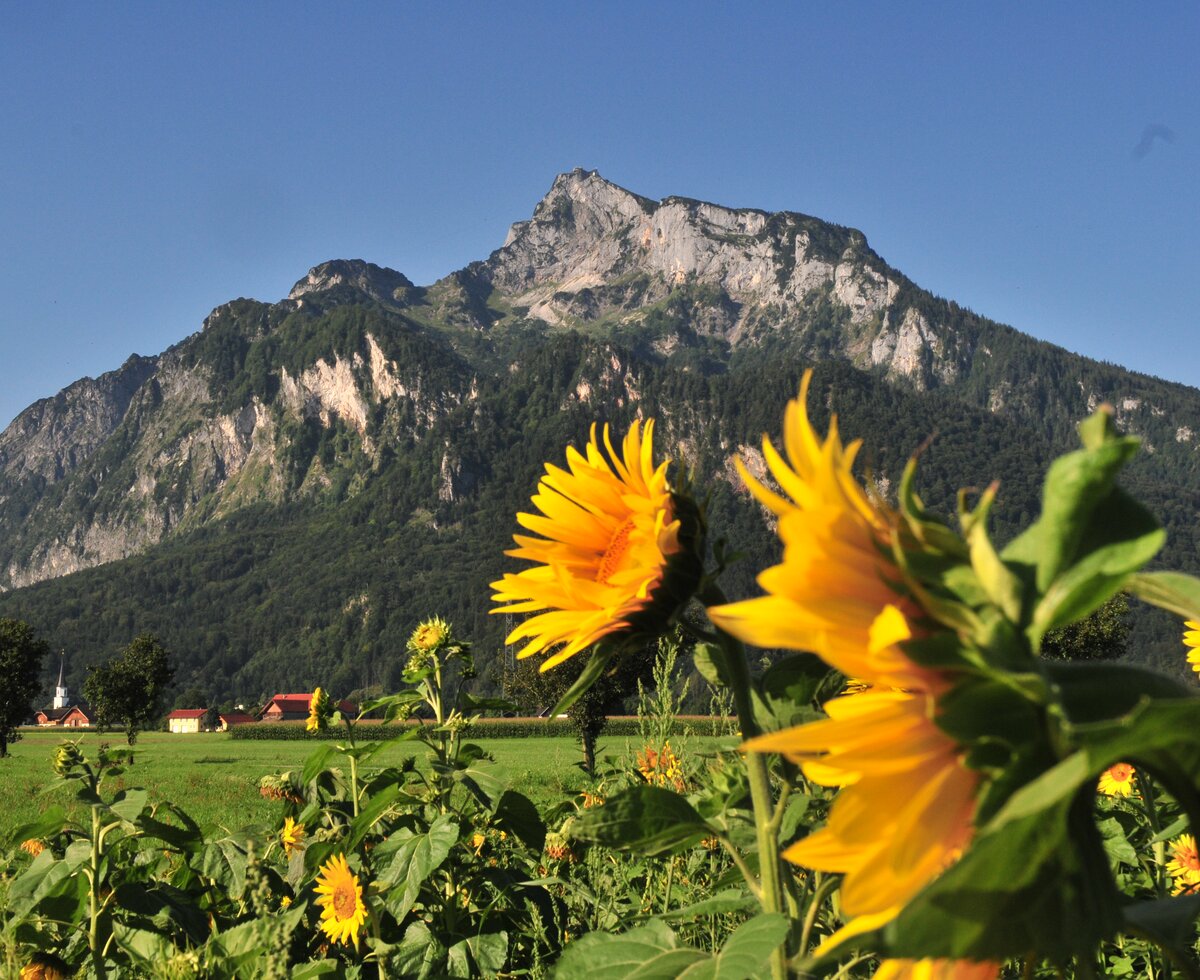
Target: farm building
x: 74, y: 716
x: 294, y: 707
x: 230, y: 718
x: 186, y: 720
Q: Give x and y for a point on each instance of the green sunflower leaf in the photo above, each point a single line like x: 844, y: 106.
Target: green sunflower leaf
x: 596, y: 665
x: 647, y: 820
x: 651, y: 952
x: 1173, y: 591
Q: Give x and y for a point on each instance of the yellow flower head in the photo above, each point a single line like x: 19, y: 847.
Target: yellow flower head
x: 936, y: 970
x: 591, y: 800
x: 477, y: 842
x: 1117, y: 780
x: 661, y: 768
x: 1191, y: 639
x: 32, y: 847
x: 44, y: 966
x: 340, y: 897
x: 608, y: 529
x: 429, y: 636
x: 318, y: 711
x: 1184, y: 865
x: 906, y: 810
x: 292, y: 836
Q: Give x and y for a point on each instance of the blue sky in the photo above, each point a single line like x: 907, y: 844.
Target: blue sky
x: 160, y: 159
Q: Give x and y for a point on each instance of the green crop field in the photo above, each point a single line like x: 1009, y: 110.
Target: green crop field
x: 215, y: 779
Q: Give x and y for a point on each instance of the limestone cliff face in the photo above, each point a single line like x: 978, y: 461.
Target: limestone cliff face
x: 589, y: 241
x: 53, y: 436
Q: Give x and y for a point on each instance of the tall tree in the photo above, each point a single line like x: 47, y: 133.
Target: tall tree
x: 127, y: 691
x: 21, y: 655
x: 1101, y: 636
x: 537, y: 691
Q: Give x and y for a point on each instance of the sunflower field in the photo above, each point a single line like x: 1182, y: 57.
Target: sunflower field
x: 915, y: 791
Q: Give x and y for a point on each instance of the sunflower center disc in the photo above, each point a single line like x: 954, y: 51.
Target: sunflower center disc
x: 344, y: 901
x: 617, y: 548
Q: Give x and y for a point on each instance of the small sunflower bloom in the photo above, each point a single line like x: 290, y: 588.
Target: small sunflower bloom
x: 907, y: 805
x: 32, y: 847
x: 318, y: 711
x: 339, y: 896
x: 1117, y: 780
x: 610, y: 536
x: 292, y: 836
x: 477, y: 842
x: 1191, y: 640
x: 591, y: 800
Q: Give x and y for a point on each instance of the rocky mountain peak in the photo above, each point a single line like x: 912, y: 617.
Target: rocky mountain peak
x: 365, y: 277
x: 588, y: 238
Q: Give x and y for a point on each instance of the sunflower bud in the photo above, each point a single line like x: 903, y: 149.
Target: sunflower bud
x: 429, y: 637
x: 67, y: 757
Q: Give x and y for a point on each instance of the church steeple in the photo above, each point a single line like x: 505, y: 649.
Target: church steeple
x: 61, y: 697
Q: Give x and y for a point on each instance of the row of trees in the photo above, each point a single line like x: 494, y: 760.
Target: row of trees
x: 125, y: 692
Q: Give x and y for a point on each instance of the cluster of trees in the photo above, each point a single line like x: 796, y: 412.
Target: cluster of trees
x: 125, y: 692
x: 21, y: 656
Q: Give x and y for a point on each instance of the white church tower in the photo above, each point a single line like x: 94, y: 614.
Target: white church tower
x: 60, y: 691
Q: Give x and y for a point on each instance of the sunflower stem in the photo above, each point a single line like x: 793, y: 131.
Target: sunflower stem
x: 765, y: 823
x: 94, y: 896
x: 820, y: 893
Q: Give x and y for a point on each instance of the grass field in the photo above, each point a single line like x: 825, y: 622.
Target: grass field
x: 215, y: 779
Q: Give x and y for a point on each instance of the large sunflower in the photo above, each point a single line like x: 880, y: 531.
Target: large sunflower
x: 607, y: 529
x: 340, y: 896
x: 936, y: 970
x: 908, y: 801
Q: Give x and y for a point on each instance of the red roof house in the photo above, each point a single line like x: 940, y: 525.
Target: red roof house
x: 294, y: 707
x: 231, y: 718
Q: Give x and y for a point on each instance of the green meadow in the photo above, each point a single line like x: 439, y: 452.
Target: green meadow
x: 216, y: 779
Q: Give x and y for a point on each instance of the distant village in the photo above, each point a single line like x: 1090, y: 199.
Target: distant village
x: 63, y: 712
